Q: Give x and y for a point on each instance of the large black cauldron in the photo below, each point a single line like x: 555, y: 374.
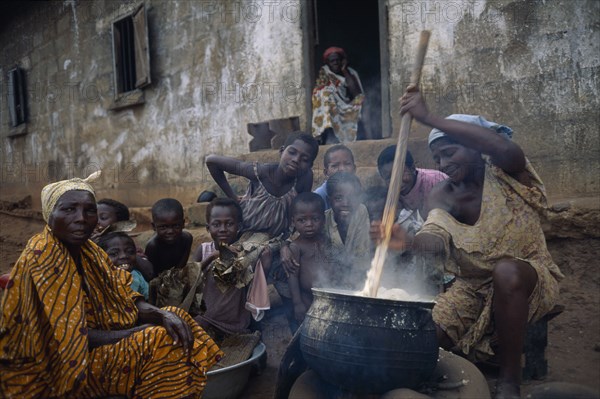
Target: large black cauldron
x: 369, y: 345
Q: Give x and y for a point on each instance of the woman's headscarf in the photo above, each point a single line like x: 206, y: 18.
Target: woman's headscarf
x: 332, y: 50
x: 52, y: 192
x: 474, y: 120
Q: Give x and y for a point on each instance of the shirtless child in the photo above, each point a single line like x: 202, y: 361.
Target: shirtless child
x: 170, y: 246
x: 311, y: 248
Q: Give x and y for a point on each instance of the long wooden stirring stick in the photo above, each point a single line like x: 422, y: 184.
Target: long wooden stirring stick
x: 391, y: 203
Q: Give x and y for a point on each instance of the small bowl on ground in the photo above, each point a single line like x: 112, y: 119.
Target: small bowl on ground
x: 229, y: 382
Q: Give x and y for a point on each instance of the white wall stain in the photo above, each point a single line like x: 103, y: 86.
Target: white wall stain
x: 212, y: 76
x: 144, y: 153
x: 185, y: 81
x: 521, y: 63
x: 99, y: 111
x: 117, y: 142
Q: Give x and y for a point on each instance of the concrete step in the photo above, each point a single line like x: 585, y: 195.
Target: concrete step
x: 365, y: 153
x: 365, y: 157
x: 199, y: 234
x: 195, y: 216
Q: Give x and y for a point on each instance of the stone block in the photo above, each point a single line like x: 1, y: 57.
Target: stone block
x: 38, y: 38
x: 282, y: 128
x: 142, y: 238
x: 261, y: 136
x: 142, y: 215
x: 369, y: 176
x: 63, y: 23
x: 51, y: 69
x: 196, y: 214
x: 261, y: 156
x: 63, y: 47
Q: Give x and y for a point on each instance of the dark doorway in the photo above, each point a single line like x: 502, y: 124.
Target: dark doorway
x: 354, y: 26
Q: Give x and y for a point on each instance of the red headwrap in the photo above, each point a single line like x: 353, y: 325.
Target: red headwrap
x: 332, y: 50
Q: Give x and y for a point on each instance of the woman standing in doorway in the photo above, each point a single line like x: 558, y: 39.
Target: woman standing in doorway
x: 337, y: 99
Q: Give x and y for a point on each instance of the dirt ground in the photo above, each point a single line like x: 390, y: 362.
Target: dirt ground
x: 573, y: 351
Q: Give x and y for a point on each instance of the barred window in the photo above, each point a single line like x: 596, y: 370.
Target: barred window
x: 17, y: 97
x: 131, y: 55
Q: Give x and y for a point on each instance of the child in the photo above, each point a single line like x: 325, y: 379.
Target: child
x: 272, y: 187
x: 338, y: 158
x: 312, y: 249
x: 225, y: 310
x: 109, y: 212
x: 121, y: 250
x: 114, y: 216
x: 374, y: 199
x: 170, y: 246
x: 347, y: 222
x: 416, y: 183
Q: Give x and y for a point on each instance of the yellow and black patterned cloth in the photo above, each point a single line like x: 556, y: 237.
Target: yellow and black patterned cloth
x: 508, y: 227
x: 44, y: 321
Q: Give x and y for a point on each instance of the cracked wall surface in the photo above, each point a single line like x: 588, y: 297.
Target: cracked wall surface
x: 218, y: 65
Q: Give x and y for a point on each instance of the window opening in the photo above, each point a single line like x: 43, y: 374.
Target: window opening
x: 130, y: 52
x: 17, y: 106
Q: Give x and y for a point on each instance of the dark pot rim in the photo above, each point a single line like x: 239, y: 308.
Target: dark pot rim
x: 351, y: 296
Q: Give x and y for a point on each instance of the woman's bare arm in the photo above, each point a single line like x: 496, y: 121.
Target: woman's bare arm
x: 504, y: 153
x: 217, y: 166
x: 305, y: 182
x: 351, y: 81
x: 98, y: 338
x: 176, y: 327
x: 295, y: 289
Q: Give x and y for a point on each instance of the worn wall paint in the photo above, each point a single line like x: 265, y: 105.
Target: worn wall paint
x: 216, y: 66
x: 533, y: 65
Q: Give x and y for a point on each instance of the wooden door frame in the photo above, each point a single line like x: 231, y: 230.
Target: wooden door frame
x: 310, y: 40
x: 384, y: 58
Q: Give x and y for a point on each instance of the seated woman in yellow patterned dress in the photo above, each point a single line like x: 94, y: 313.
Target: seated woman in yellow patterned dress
x: 484, y: 226
x: 70, y: 326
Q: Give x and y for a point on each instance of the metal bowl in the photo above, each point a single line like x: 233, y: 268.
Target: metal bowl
x: 229, y: 382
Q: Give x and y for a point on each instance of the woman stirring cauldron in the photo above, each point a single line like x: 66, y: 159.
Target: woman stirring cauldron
x: 484, y: 223
x: 70, y: 326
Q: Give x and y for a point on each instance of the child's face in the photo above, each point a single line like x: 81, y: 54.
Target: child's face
x: 168, y: 226
x: 408, y: 177
x: 106, y: 216
x: 296, y: 158
x: 340, y: 161
x: 308, y: 220
x: 223, y: 225
x: 344, y: 201
x: 122, y: 253
x: 385, y: 171
x: 375, y: 208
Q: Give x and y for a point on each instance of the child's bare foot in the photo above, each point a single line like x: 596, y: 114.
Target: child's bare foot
x: 507, y: 390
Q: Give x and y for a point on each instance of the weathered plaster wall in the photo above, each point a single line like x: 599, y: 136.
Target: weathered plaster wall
x: 216, y: 65
x: 533, y: 65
